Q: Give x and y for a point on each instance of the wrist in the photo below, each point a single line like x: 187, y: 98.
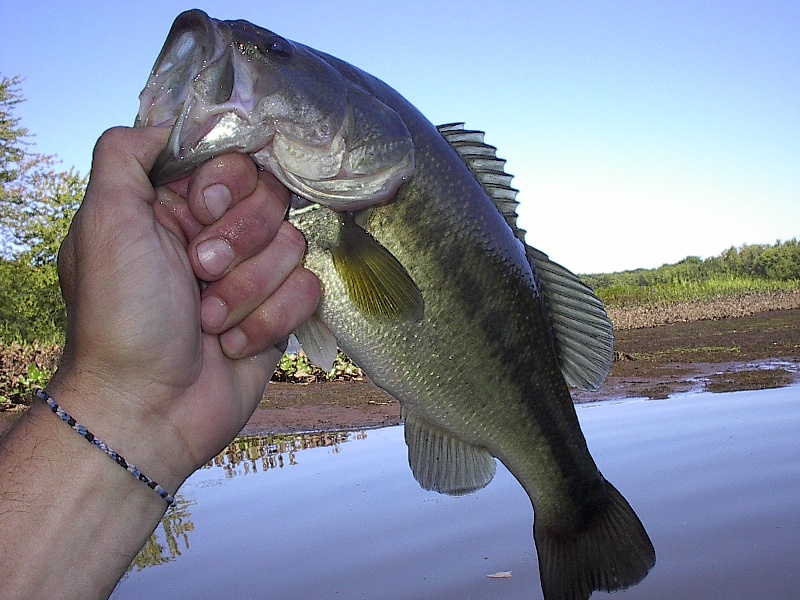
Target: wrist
x: 101, y: 445
x: 76, y: 503
x: 123, y: 424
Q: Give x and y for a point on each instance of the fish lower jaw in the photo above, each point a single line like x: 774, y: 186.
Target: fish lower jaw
x: 342, y: 194
x: 219, y: 127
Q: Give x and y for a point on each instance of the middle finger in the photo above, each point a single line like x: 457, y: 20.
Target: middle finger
x: 242, y: 231
x: 229, y: 300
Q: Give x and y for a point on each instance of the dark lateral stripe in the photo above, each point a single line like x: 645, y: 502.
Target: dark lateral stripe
x: 543, y: 389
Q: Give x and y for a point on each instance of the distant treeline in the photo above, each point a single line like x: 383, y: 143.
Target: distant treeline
x: 751, y: 268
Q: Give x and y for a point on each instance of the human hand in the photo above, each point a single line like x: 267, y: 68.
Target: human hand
x: 164, y: 372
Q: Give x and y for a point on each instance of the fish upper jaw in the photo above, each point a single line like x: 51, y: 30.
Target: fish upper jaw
x: 201, y: 88
x: 192, y: 44
x: 230, y: 86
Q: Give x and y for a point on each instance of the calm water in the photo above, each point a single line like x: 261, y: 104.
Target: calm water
x: 714, y: 478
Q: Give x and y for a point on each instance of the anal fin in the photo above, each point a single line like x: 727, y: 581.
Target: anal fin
x: 443, y: 463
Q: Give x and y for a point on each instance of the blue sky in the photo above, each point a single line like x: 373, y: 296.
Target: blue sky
x: 639, y: 132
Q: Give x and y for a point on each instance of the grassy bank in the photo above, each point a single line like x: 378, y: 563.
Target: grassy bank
x: 739, y: 282
x: 628, y: 295
x: 703, y: 307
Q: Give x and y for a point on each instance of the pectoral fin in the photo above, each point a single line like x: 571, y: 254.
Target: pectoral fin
x: 443, y: 463
x: 375, y: 280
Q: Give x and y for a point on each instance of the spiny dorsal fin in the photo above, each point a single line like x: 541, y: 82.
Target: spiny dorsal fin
x: 375, y: 280
x: 582, y: 332
x: 481, y: 159
x: 443, y: 463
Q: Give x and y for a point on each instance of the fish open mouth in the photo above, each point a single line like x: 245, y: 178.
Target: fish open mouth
x: 192, y: 43
x: 192, y: 88
x: 231, y: 86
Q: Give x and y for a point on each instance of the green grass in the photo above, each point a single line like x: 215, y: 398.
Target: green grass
x: 629, y: 295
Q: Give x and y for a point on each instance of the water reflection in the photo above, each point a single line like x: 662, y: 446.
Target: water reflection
x: 172, y: 533
x: 714, y: 477
x: 243, y: 456
x: 248, y: 455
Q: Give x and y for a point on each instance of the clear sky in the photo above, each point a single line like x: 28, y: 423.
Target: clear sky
x: 640, y: 132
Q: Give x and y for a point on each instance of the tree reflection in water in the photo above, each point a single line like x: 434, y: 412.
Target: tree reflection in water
x: 243, y: 456
x: 165, y: 543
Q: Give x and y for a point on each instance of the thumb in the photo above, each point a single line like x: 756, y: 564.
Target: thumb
x: 122, y: 158
x: 119, y: 193
x: 118, y: 189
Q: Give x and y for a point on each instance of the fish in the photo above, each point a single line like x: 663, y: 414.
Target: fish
x: 428, y: 283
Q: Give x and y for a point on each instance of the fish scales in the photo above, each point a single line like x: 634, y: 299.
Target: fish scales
x: 427, y: 282
x: 462, y: 254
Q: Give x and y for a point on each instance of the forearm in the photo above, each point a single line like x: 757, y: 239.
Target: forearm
x: 141, y: 369
x: 68, y: 509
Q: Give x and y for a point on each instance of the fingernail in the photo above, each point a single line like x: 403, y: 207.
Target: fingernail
x: 213, y: 312
x: 218, y: 199
x: 215, y: 255
x: 233, y: 341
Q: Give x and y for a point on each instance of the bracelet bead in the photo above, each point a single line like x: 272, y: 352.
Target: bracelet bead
x: 116, y: 457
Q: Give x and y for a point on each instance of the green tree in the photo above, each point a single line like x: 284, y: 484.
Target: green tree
x: 37, y: 203
x: 12, y: 135
x: 39, y: 223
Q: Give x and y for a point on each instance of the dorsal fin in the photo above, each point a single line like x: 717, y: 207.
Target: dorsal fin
x: 581, y: 330
x: 481, y: 159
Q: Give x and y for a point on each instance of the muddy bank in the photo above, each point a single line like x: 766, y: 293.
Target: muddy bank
x: 747, y: 352
x: 754, y: 351
x: 741, y: 353
x: 712, y: 309
x: 322, y: 406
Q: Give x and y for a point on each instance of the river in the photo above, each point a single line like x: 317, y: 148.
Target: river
x: 715, y: 478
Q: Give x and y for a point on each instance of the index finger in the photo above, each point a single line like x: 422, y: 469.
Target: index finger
x: 224, y: 181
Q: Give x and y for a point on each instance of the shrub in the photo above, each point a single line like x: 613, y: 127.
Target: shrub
x: 296, y: 368
x: 23, y: 367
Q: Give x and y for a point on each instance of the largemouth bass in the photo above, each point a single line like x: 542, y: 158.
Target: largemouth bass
x: 428, y: 284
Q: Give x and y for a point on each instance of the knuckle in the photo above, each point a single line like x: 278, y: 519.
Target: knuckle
x: 275, y: 188
x: 111, y: 137
x: 107, y: 143
x: 286, y: 310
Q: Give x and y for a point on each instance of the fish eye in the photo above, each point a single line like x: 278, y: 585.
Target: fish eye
x: 278, y: 47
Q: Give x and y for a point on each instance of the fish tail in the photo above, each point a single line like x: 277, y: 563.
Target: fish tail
x: 613, y: 552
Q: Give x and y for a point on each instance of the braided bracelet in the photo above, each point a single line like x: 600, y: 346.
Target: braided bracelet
x: 89, y: 437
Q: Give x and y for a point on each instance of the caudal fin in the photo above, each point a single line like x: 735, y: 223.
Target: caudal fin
x: 614, y: 552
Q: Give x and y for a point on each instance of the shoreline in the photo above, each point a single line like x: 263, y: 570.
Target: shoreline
x: 753, y: 351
